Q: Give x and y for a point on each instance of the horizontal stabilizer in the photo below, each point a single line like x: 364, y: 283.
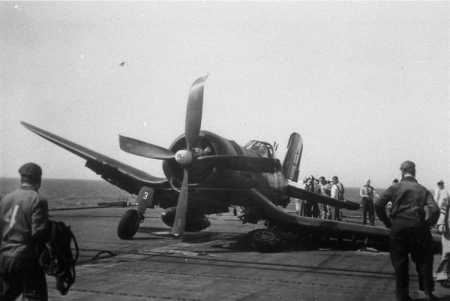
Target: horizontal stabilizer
x: 297, y: 192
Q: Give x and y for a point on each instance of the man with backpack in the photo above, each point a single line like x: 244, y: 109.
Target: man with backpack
x: 23, y: 230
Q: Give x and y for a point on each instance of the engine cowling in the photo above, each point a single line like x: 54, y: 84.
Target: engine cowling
x: 194, y: 222
x: 174, y: 171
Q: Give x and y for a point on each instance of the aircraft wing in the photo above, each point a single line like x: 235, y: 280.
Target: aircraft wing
x: 119, y: 174
x: 379, y: 236
x: 277, y: 214
x: 294, y: 191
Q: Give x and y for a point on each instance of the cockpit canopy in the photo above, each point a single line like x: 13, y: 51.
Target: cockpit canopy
x: 262, y: 148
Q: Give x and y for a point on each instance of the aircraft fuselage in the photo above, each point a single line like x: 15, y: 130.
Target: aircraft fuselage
x: 213, y: 188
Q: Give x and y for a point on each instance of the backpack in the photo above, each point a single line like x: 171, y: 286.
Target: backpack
x: 57, y: 258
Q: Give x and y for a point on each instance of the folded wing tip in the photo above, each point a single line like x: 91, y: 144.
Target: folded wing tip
x: 123, y: 142
x: 30, y: 127
x: 25, y: 124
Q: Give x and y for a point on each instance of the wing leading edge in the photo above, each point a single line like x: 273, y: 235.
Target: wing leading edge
x: 117, y: 173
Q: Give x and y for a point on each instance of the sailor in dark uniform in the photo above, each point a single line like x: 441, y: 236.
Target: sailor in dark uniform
x: 413, y: 212
x: 23, y: 228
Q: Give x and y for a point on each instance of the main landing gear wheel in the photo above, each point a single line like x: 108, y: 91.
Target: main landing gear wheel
x: 444, y: 283
x: 128, y: 225
x: 265, y: 240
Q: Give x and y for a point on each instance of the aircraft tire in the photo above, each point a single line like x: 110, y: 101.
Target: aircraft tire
x: 444, y: 283
x: 128, y: 225
x: 265, y: 240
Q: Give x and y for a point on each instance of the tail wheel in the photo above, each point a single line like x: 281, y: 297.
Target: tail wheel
x: 265, y: 240
x: 128, y: 225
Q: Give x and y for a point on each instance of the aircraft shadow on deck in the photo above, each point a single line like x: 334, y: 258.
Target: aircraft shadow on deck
x: 223, y: 242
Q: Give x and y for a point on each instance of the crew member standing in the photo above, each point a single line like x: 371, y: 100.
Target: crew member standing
x: 325, y: 190
x: 441, y: 193
x: 389, y: 204
x: 413, y: 213
x: 367, y: 193
x: 23, y: 229
x: 310, y: 207
x: 337, y: 192
x: 315, y: 205
x: 443, y: 228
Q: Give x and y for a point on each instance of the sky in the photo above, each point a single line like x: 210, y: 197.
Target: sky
x: 365, y: 84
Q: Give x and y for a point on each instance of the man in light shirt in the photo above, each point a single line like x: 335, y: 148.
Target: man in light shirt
x: 325, y: 188
x: 367, y: 193
x: 337, y: 192
x: 441, y: 193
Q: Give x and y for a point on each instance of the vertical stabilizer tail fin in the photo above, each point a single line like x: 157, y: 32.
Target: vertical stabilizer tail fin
x: 291, y: 163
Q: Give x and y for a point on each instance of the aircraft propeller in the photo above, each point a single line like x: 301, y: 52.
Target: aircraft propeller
x: 183, y: 157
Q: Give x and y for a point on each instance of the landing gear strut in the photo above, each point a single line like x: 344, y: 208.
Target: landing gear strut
x: 129, y: 223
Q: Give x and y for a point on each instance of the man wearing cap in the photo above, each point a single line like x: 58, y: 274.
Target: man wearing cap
x: 413, y: 213
x: 23, y: 228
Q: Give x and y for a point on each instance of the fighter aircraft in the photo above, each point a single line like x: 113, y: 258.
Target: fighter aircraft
x: 206, y: 174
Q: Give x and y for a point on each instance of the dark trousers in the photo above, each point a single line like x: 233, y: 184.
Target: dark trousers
x: 311, y: 209
x: 417, y: 241
x: 22, y: 277
x: 368, y: 209
x: 337, y: 213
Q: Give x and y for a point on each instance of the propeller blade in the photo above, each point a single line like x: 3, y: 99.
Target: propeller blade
x: 144, y: 149
x: 194, y: 112
x: 242, y: 163
x: 180, y: 214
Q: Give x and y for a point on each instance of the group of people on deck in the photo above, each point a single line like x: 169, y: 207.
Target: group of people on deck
x: 409, y: 210
x: 330, y: 188
x: 335, y: 189
x: 368, y: 196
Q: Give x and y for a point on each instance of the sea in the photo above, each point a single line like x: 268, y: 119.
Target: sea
x: 68, y: 193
